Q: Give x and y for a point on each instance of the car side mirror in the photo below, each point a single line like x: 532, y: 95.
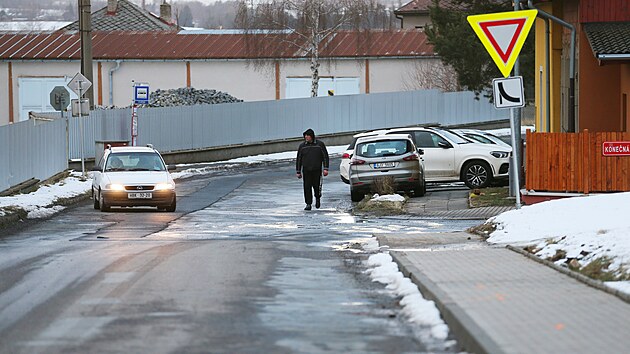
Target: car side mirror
x: 420, y: 151
x: 444, y: 145
x: 171, y: 167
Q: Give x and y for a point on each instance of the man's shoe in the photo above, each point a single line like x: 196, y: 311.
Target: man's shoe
x: 308, y: 207
x: 317, y: 204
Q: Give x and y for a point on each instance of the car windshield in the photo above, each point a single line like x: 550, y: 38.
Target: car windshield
x: 134, y: 161
x: 454, y: 137
x: 382, y: 148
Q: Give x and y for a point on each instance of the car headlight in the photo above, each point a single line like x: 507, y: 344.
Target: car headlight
x: 115, y: 187
x: 500, y: 154
x: 163, y: 186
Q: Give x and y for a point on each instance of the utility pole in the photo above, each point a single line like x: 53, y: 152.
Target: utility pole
x: 85, y: 30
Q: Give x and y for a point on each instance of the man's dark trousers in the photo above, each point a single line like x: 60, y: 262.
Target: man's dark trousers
x: 312, y: 183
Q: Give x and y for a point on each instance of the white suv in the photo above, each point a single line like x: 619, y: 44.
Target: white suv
x: 133, y: 176
x: 450, y: 157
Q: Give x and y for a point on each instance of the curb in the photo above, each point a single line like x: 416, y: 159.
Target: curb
x: 469, y: 335
x: 575, y: 275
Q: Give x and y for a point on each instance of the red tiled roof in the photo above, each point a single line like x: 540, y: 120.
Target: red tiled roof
x: 174, y: 46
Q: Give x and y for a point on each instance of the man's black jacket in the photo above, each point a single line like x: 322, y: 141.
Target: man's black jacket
x: 311, y: 156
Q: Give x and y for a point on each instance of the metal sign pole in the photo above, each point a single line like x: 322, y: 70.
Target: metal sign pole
x: 514, y: 167
x: 81, y: 131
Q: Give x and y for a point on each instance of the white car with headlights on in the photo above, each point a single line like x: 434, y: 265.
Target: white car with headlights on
x: 133, y: 176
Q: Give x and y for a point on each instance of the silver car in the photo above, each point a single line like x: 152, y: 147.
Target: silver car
x: 380, y: 156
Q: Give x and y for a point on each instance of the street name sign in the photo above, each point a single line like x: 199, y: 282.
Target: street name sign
x: 508, y: 93
x: 79, y: 84
x: 503, y: 35
x: 59, y: 98
x: 616, y: 148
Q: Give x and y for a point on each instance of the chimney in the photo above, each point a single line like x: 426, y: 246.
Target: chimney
x: 165, y: 12
x: 111, y: 6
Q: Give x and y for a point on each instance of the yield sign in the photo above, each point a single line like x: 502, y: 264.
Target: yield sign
x: 503, y: 35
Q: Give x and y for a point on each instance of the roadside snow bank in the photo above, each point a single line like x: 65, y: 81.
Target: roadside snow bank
x: 586, y: 228
x: 40, y: 204
x: 419, y: 310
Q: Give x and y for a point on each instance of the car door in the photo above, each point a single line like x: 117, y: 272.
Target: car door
x: 439, y: 155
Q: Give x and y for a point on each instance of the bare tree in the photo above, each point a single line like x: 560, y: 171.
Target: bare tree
x: 431, y: 74
x: 301, y: 25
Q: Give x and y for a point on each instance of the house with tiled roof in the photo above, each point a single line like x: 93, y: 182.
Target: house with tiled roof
x: 414, y: 14
x: 123, y: 15
x: 602, y: 66
x: 250, y: 66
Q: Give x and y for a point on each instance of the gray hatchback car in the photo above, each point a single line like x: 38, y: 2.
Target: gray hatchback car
x: 380, y: 156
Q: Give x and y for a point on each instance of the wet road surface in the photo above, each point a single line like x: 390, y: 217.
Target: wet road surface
x: 240, y: 267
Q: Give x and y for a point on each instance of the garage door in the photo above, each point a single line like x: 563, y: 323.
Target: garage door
x: 34, y: 94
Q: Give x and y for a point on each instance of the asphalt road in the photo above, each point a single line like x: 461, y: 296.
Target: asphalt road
x: 240, y: 267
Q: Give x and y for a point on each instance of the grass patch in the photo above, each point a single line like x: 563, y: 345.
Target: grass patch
x: 560, y: 254
x: 383, y: 186
x: 494, y: 196
x: 598, y: 269
x: 483, y: 230
x: 381, y: 208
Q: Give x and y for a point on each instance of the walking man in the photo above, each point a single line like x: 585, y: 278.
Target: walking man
x: 311, y: 156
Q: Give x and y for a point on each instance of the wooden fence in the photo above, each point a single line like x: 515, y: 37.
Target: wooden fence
x: 574, y: 162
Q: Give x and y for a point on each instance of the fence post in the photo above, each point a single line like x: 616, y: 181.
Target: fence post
x: 587, y: 161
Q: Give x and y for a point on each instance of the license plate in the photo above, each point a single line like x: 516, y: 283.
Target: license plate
x: 384, y: 165
x: 144, y: 195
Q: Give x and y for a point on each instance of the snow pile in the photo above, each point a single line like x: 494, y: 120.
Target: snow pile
x: 419, y: 310
x: 586, y: 228
x: 39, y: 204
x: 388, y: 198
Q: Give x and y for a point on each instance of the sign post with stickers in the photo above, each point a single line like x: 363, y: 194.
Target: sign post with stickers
x: 503, y: 35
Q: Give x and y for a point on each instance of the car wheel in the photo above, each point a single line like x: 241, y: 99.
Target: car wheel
x: 356, y: 196
x: 102, y: 202
x: 477, y: 174
x: 421, y: 190
x: 97, y: 205
x: 171, y: 208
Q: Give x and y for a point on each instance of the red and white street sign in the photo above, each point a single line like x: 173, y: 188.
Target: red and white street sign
x: 616, y: 148
x: 503, y: 35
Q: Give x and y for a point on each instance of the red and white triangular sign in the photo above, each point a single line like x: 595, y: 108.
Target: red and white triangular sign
x: 503, y: 35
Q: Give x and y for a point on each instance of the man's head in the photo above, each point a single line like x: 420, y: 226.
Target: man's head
x: 309, y: 135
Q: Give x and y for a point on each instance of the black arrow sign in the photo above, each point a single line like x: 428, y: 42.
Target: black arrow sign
x: 504, y: 95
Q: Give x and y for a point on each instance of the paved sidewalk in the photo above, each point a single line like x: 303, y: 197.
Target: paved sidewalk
x: 499, y: 301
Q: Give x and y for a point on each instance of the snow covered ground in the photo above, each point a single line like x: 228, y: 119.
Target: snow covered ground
x: 581, y: 228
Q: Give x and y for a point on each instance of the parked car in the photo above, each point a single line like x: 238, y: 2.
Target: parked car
x: 380, y: 156
x: 450, y: 157
x: 344, y: 166
x: 482, y: 136
x: 133, y: 176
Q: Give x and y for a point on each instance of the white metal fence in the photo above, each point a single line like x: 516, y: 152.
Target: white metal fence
x: 31, y: 151
x: 204, y: 126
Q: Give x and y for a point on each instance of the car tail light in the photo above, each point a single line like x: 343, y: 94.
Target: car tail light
x: 346, y: 156
x: 357, y: 162
x: 413, y: 157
